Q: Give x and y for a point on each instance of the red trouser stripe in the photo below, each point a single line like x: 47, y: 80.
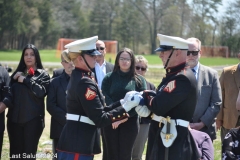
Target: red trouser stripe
x: 76, y: 156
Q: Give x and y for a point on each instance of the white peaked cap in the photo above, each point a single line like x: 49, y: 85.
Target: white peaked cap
x: 170, y: 42
x: 82, y: 44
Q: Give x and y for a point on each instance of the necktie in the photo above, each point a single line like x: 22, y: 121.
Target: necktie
x: 194, y: 72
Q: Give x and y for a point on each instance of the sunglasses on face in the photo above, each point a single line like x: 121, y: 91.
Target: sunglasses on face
x: 194, y: 53
x: 140, y: 68
x: 100, y: 48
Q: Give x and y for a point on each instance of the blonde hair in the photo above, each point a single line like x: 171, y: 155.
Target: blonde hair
x: 140, y: 58
x: 69, y: 56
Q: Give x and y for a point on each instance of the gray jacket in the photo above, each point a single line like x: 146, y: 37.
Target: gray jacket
x: 209, y: 99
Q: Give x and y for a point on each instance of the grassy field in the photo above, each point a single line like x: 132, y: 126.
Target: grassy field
x: 154, y: 75
x: 52, y: 56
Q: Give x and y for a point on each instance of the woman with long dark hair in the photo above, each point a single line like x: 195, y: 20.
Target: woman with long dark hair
x: 120, y: 137
x: 29, y: 85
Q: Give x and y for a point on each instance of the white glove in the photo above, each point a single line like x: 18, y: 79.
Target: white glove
x: 142, y: 111
x: 131, y: 102
x: 131, y: 93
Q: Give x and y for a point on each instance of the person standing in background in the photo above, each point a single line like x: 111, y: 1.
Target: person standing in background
x: 101, y: 68
x: 29, y: 85
x: 120, y: 137
x: 228, y: 116
x: 4, y: 82
x: 209, y: 92
x: 139, y: 144
x: 56, y: 102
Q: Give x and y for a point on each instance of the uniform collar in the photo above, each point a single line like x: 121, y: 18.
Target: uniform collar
x: 85, y: 72
x: 175, y: 69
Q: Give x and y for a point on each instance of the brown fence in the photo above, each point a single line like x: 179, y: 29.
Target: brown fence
x: 215, y: 51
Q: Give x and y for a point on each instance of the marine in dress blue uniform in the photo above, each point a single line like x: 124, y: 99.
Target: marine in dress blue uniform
x: 86, y: 109
x: 176, y: 98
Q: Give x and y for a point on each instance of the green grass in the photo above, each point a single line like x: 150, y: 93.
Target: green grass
x: 52, y: 56
x: 14, y: 55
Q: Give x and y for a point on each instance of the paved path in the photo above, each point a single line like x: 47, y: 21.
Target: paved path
x: 9, y: 63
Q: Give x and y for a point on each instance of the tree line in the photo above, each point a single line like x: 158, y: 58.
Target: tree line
x: 133, y: 23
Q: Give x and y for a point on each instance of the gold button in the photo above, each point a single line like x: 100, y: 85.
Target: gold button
x: 119, y: 116
x: 124, y: 114
x: 113, y: 118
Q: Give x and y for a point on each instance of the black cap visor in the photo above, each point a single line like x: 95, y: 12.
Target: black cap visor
x: 164, y: 48
x: 92, y: 52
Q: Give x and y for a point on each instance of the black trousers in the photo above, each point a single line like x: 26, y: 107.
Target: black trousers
x: 24, y: 137
x: 120, y: 141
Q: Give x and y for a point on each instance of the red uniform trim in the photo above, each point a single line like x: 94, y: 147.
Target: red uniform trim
x: 76, y: 156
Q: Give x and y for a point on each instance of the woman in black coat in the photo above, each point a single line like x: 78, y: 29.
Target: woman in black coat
x: 29, y: 85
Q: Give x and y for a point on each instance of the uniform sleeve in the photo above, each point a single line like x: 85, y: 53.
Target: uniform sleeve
x: 143, y: 87
x: 106, y: 85
x: 170, y: 95
x: 39, y: 85
x: 54, y: 110
x: 90, y: 100
x: 214, y: 104
x: 220, y: 114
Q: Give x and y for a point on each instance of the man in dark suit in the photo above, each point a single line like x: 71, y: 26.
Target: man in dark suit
x: 209, y: 92
x: 4, y: 81
x: 101, y: 68
x: 56, y: 102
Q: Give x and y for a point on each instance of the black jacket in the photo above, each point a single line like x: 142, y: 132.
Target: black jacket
x: 27, y: 99
x: 4, y: 81
x: 56, y: 104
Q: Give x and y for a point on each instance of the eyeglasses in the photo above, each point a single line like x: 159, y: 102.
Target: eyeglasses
x: 100, y: 48
x: 125, y: 59
x: 140, y: 68
x: 194, y: 53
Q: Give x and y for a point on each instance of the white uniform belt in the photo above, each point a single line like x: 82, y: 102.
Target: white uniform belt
x: 75, y: 117
x: 179, y: 122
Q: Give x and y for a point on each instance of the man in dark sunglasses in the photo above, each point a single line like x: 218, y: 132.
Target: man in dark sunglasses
x: 101, y: 69
x: 209, y: 92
